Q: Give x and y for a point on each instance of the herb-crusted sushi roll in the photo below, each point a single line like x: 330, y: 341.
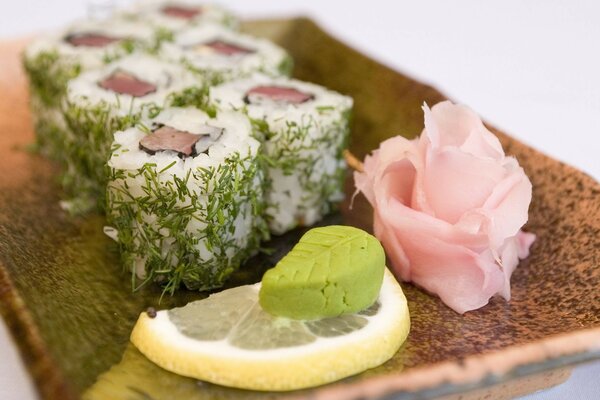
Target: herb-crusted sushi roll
x: 304, y: 128
x: 172, y: 16
x: 185, y: 196
x: 52, y: 60
x: 219, y: 55
x: 113, y: 98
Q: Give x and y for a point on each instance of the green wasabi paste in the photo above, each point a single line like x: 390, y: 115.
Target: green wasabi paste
x: 333, y: 270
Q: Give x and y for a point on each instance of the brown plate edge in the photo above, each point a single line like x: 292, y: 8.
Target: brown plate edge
x: 473, y: 372
x: 49, y: 381
x: 428, y: 382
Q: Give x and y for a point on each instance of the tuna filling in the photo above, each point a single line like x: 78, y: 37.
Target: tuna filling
x: 276, y: 94
x: 221, y: 47
x: 181, y: 11
x: 125, y: 83
x: 185, y: 144
x: 90, y: 40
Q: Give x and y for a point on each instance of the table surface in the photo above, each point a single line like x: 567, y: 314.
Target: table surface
x: 530, y: 68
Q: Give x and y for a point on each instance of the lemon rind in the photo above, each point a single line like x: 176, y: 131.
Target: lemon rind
x: 275, y: 370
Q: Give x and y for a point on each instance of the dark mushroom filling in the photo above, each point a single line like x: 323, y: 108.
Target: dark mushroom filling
x: 221, y: 47
x: 185, y: 144
x: 90, y: 40
x: 276, y: 94
x: 122, y: 82
x: 182, y: 12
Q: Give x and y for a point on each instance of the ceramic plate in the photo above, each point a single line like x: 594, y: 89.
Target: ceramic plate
x: 70, y: 307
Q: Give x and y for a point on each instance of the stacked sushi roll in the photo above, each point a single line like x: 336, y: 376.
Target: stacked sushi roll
x: 218, y: 54
x: 304, y: 128
x: 53, y: 60
x: 189, y: 135
x: 174, y: 16
x: 185, y: 196
x: 103, y: 101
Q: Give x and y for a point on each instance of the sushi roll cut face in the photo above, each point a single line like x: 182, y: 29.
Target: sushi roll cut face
x: 103, y: 101
x: 128, y: 84
x: 222, y: 55
x: 185, y: 195
x: 304, y: 129
x: 92, y: 43
x: 176, y: 15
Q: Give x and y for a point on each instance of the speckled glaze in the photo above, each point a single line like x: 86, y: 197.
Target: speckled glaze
x: 70, y: 307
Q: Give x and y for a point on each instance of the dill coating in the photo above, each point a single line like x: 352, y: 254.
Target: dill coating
x: 181, y: 230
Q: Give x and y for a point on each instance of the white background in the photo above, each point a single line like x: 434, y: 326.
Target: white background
x: 530, y: 67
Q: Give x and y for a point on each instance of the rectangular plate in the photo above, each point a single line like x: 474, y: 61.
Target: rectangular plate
x: 70, y: 307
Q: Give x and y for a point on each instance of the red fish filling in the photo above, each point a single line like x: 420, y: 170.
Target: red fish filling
x: 278, y: 94
x: 224, y: 48
x: 185, y: 144
x: 124, y: 83
x: 167, y: 138
x: 90, y: 40
x: 181, y: 11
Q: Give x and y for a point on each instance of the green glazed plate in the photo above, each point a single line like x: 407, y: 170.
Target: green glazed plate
x: 70, y: 307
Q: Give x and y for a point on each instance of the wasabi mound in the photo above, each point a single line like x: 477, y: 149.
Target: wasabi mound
x: 333, y: 270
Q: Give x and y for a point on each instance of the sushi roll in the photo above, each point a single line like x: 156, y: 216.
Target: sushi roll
x: 103, y: 101
x: 172, y: 16
x: 304, y: 128
x: 219, y: 55
x: 185, y: 197
x: 52, y: 60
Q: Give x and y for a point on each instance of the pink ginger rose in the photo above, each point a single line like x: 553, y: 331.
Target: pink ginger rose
x: 449, y: 207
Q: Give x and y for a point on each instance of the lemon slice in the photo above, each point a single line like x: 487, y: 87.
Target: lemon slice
x: 228, y: 339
